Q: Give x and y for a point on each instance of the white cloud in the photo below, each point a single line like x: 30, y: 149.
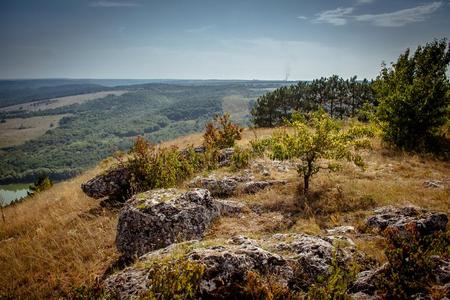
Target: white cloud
x: 107, y: 3
x: 337, y: 17
x: 302, y: 17
x: 401, y: 17
x: 341, y: 16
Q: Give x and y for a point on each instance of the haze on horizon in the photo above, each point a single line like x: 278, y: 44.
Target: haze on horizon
x: 204, y: 39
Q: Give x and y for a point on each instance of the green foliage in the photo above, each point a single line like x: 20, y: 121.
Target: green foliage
x: 412, y: 261
x: 340, y: 98
x: 174, y: 278
x: 413, y: 95
x: 221, y: 133
x: 336, y: 285
x: 158, y: 167
x: 240, y: 158
x: 42, y: 183
x: 319, y: 137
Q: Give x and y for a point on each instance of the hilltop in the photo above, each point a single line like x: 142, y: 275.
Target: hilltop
x: 60, y: 243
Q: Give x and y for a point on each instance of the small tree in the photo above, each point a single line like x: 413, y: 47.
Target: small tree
x: 221, y: 133
x: 42, y: 183
x: 413, y: 96
x: 316, y: 138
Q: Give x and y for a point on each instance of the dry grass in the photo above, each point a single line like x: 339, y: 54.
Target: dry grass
x: 55, y: 241
x: 19, y: 130
x: 61, y: 238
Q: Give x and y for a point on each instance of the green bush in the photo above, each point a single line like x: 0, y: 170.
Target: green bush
x: 42, y: 183
x: 158, y: 167
x: 414, y: 98
x: 240, y: 158
x: 174, y: 278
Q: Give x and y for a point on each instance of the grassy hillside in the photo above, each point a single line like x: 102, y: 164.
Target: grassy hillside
x: 61, y: 239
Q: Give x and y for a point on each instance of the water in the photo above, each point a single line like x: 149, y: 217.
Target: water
x: 11, y: 192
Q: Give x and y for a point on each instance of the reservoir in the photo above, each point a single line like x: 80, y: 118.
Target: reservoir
x: 11, y: 192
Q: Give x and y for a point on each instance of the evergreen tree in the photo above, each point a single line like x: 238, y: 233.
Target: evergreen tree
x: 413, y: 95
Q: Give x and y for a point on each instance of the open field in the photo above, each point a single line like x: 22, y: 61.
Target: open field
x: 17, y: 131
x: 60, y: 102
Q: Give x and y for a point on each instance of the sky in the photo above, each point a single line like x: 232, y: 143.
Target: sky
x: 211, y: 39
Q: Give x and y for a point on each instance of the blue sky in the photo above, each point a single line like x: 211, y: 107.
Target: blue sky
x: 205, y: 39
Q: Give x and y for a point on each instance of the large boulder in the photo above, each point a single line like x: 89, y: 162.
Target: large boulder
x: 400, y: 218
x: 158, y: 218
x: 114, y: 183
x: 294, y: 260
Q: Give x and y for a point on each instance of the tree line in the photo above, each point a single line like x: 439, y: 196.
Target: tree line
x: 337, y: 96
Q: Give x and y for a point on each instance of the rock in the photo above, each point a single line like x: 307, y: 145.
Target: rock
x: 313, y: 254
x: 341, y: 230
x: 433, y: 184
x: 363, y: 296
x: 229, y: 207
x: 225, y: 155
x: 226, y: 265
x: 365, y: 280
x: 253, y: 187
x: 399, y: 217
x: 113, y: 184
x: 224, y: 187
x: 158, y: 218
x: 226, y: 269
x: 266, y: 173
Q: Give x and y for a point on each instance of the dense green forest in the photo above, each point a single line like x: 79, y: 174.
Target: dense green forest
x: 96, y: 129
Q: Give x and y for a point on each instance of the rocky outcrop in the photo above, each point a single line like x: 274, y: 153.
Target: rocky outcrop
x: 158, y: 218
x: 224, y: 187
x: 295, y: 260
x: 113, y: 184
x: 228, y: 186
x: 426, y: 222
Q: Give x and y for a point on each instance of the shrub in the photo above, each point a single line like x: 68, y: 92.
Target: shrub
x: 42, y: 183
x: 157, y: 167
x: 257, y: 287
x: 221, y: 133
x: 414, y: 102
x: 174, y: 278
x: 412, y: 261
x: 240, y: 158
x: 316, y: 137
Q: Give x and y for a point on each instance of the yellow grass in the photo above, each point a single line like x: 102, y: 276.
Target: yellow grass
x: 62, y: 239
x: 54, y: 241
x: 17, y: 131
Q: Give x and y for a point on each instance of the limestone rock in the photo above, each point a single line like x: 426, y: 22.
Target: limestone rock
x: 113, y: 184
x: 341, y: 230
x: 253, y: 187
x: 399, y: 217
x: 224, y: 187
x: 225, y: 155
x: 158, y: 218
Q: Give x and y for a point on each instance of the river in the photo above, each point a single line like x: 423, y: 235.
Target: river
x: 11, y: 192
